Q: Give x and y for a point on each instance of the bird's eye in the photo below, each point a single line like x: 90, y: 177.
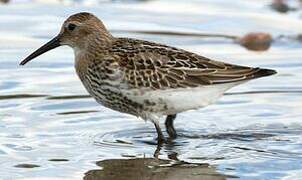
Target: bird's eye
x: 71, y: 27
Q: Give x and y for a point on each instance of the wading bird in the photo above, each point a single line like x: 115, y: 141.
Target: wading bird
x: 142, y: 78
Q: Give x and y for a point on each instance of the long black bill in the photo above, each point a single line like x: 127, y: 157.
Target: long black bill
x: 55, y: 42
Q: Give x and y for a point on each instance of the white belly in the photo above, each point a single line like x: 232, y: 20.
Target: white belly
x: 174, y: 101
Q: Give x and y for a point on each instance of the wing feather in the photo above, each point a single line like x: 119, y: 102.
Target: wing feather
x: 159, y: 66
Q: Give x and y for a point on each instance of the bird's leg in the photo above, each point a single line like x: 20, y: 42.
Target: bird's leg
x: 157, y: 151
x: 169, y: 126
x: 160, y: 136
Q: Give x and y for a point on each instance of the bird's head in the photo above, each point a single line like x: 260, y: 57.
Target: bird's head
x: 78, y: 31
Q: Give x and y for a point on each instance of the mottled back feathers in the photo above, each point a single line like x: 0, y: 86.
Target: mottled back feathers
x: 151, y: 65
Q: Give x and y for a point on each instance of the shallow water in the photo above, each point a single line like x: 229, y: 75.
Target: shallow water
x: 50, y: 128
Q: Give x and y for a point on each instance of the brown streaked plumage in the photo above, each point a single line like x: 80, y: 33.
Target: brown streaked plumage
x: 143, y: 78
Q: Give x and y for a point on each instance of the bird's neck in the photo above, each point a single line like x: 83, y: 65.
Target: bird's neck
x: 94, y: 45
x: 94, y: 48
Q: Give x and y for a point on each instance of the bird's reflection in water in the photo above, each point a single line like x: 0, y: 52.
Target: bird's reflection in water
x: 153, y: 169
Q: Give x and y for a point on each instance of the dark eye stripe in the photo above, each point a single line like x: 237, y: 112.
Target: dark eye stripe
x: 71, y: 27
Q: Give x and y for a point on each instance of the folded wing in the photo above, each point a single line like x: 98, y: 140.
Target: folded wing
x: 150, y: 65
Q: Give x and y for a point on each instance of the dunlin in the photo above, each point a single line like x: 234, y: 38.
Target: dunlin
x: 142, y: 78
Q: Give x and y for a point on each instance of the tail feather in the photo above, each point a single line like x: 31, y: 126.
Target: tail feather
x: 263, y: 72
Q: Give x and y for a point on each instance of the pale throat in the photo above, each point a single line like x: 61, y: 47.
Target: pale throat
x: 78, y: 54
x: 80, y: 62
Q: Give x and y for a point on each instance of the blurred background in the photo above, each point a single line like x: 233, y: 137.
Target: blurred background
x: 51, y: 129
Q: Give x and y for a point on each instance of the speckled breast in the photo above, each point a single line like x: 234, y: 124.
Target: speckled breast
x: 103, y: 82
